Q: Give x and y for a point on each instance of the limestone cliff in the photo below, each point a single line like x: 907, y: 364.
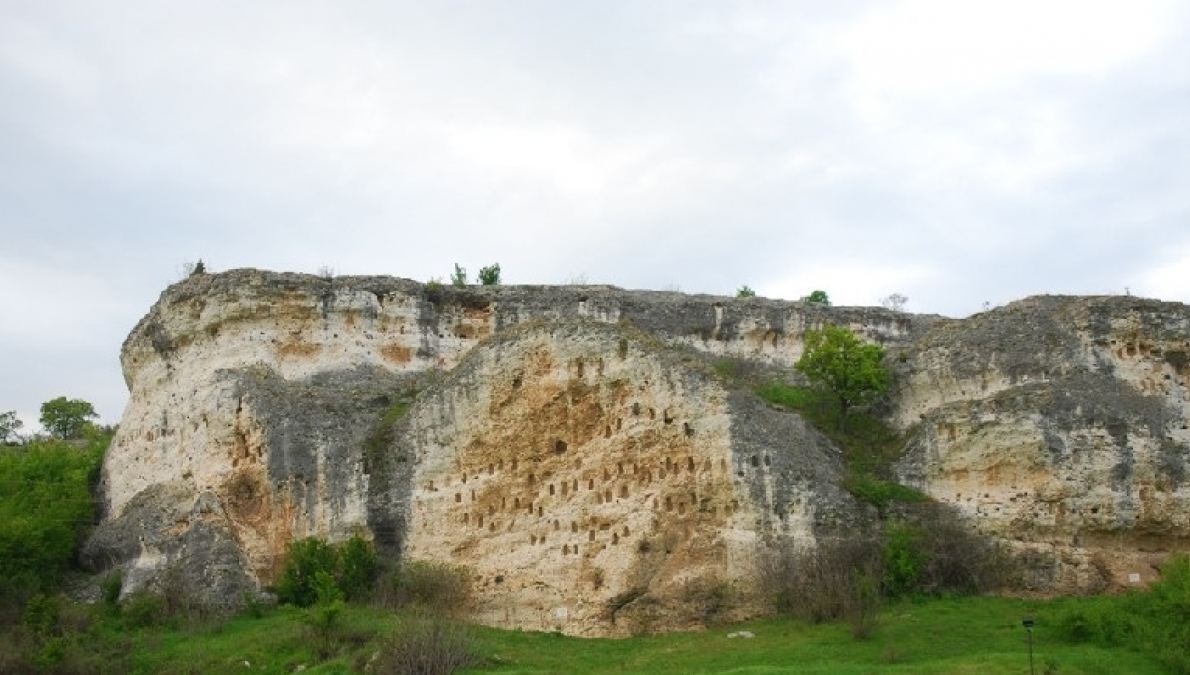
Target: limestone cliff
x: 573, y: 447
x: 1061, y: 424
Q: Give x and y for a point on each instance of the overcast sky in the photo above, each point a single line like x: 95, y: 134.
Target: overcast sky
x: 957, y: 152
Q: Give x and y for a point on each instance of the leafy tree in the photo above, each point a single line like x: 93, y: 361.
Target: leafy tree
x: 67, y: 418
x: 852, y: 371
x: 490, y: 275
x: 745, y: 292
x: 817, y: 298
x: 9, y: 424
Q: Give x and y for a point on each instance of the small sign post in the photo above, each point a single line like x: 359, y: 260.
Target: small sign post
x: 1027, y: 622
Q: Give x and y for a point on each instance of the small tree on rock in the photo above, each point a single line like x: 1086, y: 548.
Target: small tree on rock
x: 817, y: 298
x: 745, y: 292
x: 67, y: 418
x: 459, y: 277
x: 490, y: 275
x: 851, y: 370
x: 895, y: 302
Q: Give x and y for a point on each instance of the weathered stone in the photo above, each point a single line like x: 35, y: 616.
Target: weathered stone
x: 574, y: 449
x: 1059, y: 424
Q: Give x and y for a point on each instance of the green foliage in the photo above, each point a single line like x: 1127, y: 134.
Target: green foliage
x: 490, y: 275
x: 817, y: 298
x: 869, y: 446
x: 307, y: 557
x: 1155, y: 622
x: 376, y: 445
x: 41, y: 613
x: 863, y: 608
x: 921, y: 636
x: 45, y: 509
x: 853, y: 371
x: 879, y: 492
x: 109, y: 590
x: 325, y: 615
x: 459, y: 276
x: 67, y: 418
x: 904, y: 559
x: 745, y: 292
x: 358, y: 566
x: 810, y: 402
x: 316, y: 572
x: 9, y: 425
x: 143, y: 609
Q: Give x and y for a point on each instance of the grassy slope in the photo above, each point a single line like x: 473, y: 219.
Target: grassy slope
x: 973, y: 635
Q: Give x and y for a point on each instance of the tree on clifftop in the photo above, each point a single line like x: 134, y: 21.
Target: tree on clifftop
x: 66, y: 418
x: 490, y: 275
x: 817, y: 298
x: 852, y: 371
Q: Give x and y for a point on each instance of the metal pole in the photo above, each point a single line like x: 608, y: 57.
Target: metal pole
x: 1027, y: 622
x: 1031, y: 652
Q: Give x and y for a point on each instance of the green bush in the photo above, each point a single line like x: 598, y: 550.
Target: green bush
x: 109, y: 590
x: 358, y: 565
x: 307, y: 558
x: 143, y: 609
x: 880, y: 493
x: 1155, y: 622
x: 350, y: 569
x: 904, y: 559
x: 45, y: 510
x: 490, y: 275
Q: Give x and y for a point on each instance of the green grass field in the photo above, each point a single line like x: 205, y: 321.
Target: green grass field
x: 972, y: 635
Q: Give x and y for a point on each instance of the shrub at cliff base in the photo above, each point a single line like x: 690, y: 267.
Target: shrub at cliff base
x: 1155, y: 622
x: 426, y: 644
x: 45, y: 510
x: 320, y: 577
x: 929, y: 552
x: 352, y: 566
x: 424, y: 585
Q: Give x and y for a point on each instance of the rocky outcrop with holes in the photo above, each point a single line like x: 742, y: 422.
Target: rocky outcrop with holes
x: 1059, y: 424
x: 578, y: 450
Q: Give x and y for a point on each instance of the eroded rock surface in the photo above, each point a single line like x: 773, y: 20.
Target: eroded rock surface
x: 575, y: 448
x: 1060, y: 424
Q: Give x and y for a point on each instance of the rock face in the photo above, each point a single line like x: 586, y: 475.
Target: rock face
x: 576, y: 450
x: 1060, y: 424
